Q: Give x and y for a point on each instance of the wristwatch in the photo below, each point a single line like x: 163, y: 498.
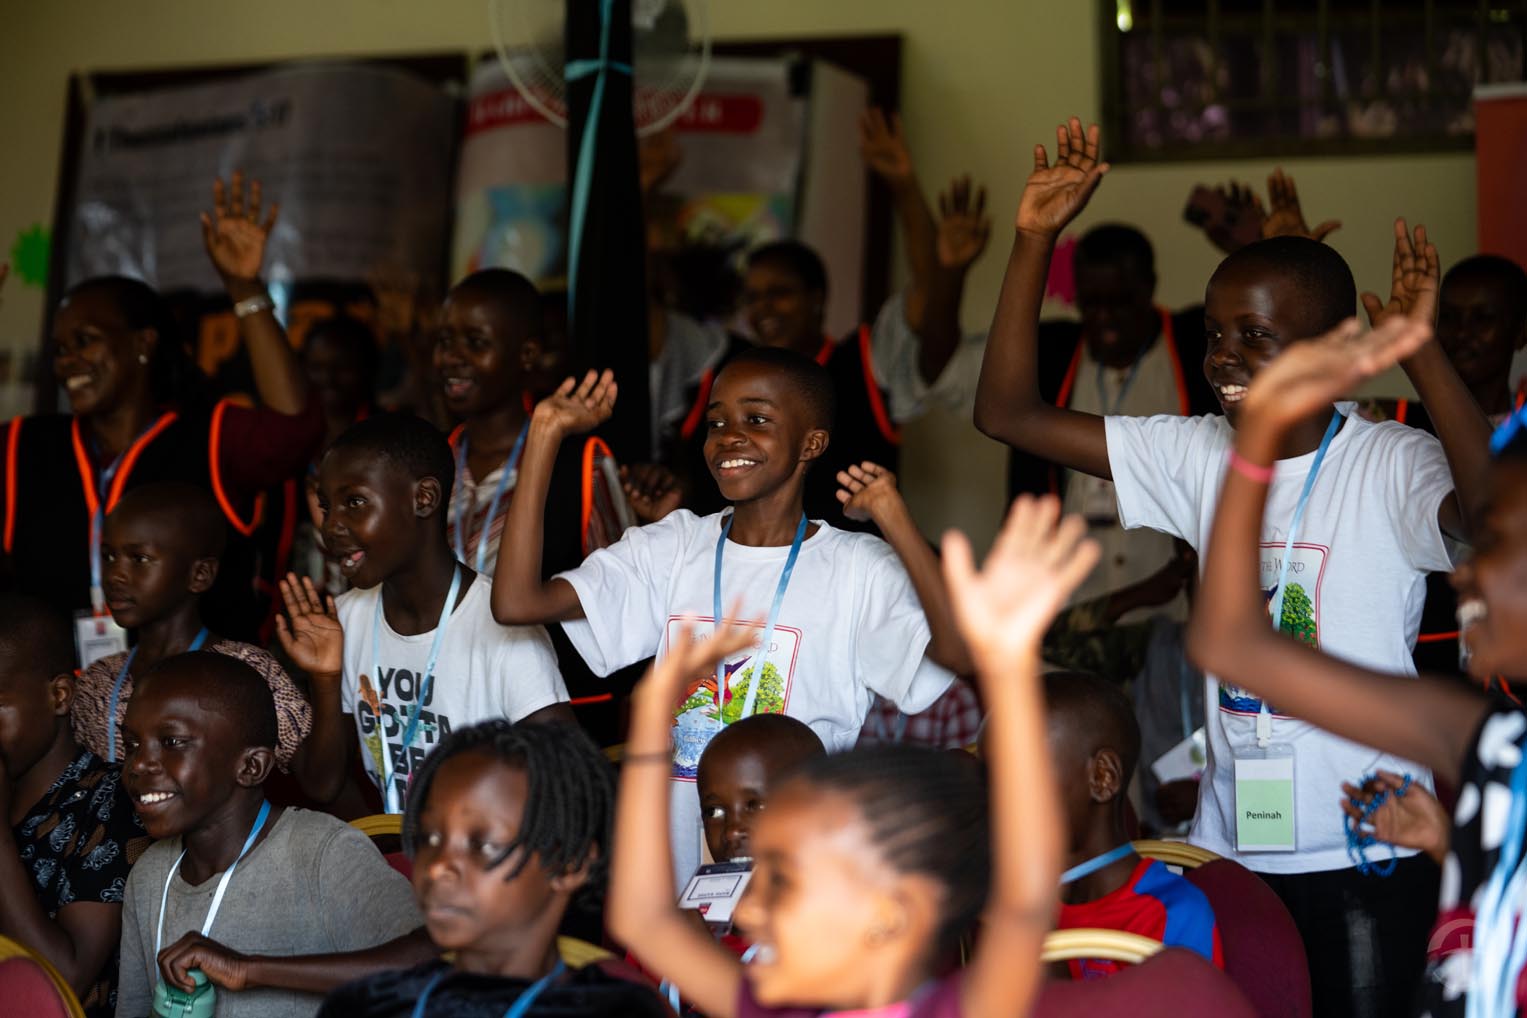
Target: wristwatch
x: 253, y: 305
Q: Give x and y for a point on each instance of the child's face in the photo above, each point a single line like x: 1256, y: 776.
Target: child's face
x: 370, y: 513
x: 756, y: 433
x: 479, y: 361
x: 1492, y: 585
x: 183, y: 756
x: 146, y: 570
x: 1249, y: 317
x: 733, y: 783
x: 779, y: 308
x: 96, y: 359
x: 335, y: 373
x: 826, y: 911
x: 30, y: 706
x: 1118, y: 315
x: 475, y: 807
x: 1476, y: 330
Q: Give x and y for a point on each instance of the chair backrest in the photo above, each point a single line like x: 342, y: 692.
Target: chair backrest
x: 1107, y: 945
x: 30, y: 985
x: 1174, y: 853
x: 1262, y: 949
x: 380, y: 825
x: 1172, y: 983
x: 578, y: 953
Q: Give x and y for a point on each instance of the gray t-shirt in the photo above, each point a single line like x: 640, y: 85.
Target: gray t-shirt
x: 314, y: 885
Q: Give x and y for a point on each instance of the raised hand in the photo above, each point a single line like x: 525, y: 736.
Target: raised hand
x: 963, y: 225
x: 397, y: 292
x: 1314, y: 373
x: 1413, y: 820
x: 577, y: 408
x: 651, y: 489
x: 224, y: 967
x: 234, y: 234
x: 1004, y: 609
x: 884, y: 146
x: 310, y: 632
x: 1231, y: 215
x: 867, y: 491
x: 669, y: 677
x: 1054, y: 195
x: 1417, y: 276
x: 1286, y: 219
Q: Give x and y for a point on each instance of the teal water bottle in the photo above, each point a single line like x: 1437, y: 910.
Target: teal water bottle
x: 173, y: 1002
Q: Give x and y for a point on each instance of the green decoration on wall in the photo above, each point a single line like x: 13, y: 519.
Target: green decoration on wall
x: 31, y: 253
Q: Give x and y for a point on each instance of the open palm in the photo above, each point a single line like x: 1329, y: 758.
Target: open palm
x: 1415, y: 279
x: 1054, y: 195
x: 234, y: 234
x: 310, y: 633
x: 579, y: 407
x: 963, y: 226
x: 883, y: 145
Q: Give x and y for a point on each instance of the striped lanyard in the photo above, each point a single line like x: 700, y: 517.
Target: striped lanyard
x: 464, y: 517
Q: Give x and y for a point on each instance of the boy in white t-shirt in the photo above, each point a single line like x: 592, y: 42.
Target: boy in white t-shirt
x: 391, y: 662
x: 845, y: 617
x: 1379, y: 499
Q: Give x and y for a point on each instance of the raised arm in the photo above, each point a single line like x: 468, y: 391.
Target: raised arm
x: 1003, y: 610
x: 868, y: 492
x: 1009, y: 405
x: 1461, y: 426
x: 520, y: 596
x: 641, y: 909
x: 311, y: 635
x: 962, y: 232
x: 235, y: 237
x: 1426, y: 720
x: 883, y: 146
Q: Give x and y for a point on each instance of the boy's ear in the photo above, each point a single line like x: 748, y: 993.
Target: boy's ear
x: 255, y: 765
x: 1105, y: 776
x: 203, y: 575
x: 815, y: 444
x: 61, y: 694
x: 427, y: 494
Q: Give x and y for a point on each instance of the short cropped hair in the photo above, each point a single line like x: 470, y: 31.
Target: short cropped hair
x: 1103, y: 708
x: 412, y: 444
x: 189, y: 507
x: 805, y: 375
x: 38, y: 634
x: 797, y: 259
x: 515, y: 296
x: 1323, y: 277
x: 242, y: 695
x: 1117, y: 244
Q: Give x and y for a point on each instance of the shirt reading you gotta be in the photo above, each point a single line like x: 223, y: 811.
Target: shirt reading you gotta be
x: 1356, y: 585
x: 485, y: 671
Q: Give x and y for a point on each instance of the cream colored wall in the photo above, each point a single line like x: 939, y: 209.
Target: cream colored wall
x: 982, y: 81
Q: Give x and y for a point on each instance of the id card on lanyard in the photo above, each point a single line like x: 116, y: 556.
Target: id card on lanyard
x: 96, y: 633
x: 1265, y: 801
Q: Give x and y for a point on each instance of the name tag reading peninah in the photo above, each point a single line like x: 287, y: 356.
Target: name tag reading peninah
x: 1264, y: 800
x: 97, y: 636
x: 715, y: 889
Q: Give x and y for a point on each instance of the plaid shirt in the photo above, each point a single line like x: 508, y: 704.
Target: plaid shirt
x: 953, y: 722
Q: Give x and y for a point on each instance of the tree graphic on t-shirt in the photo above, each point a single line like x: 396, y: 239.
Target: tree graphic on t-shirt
x: 1298, y: 618
x: 768, y: 700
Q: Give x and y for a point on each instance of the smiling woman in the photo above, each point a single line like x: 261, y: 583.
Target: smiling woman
x: 140, y: 413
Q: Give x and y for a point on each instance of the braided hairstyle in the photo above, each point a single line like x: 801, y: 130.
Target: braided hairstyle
x: 926, y: 810
x: 570, y: 798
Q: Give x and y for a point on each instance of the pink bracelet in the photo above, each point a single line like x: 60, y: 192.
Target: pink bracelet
x: 1250, y: 470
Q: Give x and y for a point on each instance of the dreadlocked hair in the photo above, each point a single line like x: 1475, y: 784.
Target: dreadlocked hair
x: 569, y: 804
x: 927, y: 813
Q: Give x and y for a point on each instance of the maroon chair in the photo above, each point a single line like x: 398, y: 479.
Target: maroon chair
x: 1176, y: 983
x: 1263, y: 952
x: 27, y: 988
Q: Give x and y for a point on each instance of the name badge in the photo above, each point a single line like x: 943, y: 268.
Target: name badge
x: 715, y: 890
x: 97, y: 636
x: 1264, y: 800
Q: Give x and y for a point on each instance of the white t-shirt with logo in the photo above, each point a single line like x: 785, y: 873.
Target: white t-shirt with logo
x: 485, y: 670
x: 850, y: 626
x: 1356, y: 585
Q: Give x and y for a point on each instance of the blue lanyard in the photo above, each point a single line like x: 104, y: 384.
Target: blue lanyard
x: 116, y: 693
x: 1304, y: 501
x: 768, y: 633
x: 1096, y: 863
x: 222, y: 885
x: 424, y: 685
x: 1129, y: 381
x: 518, y: 1009
x: 464, y: 518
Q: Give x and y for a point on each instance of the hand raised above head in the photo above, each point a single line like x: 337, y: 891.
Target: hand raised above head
x: 866, y: 489
x: 1055, y: 195
x: 235, y: 235
x: 963, y: 225
x: 1415, y: 279
x: 884, y: 146
x: 1285, y: 218
x: 310, y: 632
x: 576, y: 407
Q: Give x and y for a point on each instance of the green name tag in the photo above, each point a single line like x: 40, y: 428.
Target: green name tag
x: 1264, y: 802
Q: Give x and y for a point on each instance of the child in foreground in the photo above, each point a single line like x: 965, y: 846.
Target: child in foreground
x: 736, y: 772
x: 507, y: 825
x: 1473, y: 742
x: 870, y: 865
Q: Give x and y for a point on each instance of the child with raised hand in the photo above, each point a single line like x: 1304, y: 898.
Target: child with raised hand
x: 845, y: 621
x: 161, y: 550
x: 870, y: 865
x: 68, y: 835
x: 1358, y: 516
x: 507, y: 826
x: 1471, y: 741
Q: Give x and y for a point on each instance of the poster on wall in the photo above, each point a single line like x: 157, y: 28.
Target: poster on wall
x: 358, y: 156
x: 735, y: 185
